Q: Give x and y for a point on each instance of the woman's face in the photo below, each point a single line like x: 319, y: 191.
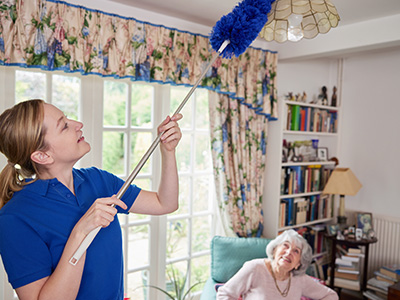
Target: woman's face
x: 287, y: 255
x: 63, y: 136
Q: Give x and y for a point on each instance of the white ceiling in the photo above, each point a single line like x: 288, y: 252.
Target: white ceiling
x: 208, y: 12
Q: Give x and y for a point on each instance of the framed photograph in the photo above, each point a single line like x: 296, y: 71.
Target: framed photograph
x: 322, y: 154
x: 364, y: 221
x: 332, y: 229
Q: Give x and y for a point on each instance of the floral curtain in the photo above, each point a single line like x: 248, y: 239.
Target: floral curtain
x: 238, y: 141
x: 54, y: 35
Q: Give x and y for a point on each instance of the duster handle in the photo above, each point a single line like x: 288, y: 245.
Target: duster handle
x: 89, y: 238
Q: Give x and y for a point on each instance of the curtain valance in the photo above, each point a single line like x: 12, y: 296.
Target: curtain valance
x: 54, y: 35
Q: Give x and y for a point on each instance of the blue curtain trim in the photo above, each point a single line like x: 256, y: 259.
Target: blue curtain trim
x: 66, y: 69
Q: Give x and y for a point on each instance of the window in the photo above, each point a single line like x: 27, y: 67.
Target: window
x: 178, y: 243
x: 129, y: 115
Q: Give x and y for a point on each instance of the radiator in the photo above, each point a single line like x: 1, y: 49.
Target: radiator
x: 387, y: 249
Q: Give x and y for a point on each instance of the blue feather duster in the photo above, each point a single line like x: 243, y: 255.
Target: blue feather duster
x: 241, y: 26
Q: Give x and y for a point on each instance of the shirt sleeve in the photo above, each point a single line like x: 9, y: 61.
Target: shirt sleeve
x: 315, y: 290
x: 25, y: 255
x: 238, y: 284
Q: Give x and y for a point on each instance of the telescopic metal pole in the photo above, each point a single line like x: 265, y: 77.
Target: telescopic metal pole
x: 89, y: 238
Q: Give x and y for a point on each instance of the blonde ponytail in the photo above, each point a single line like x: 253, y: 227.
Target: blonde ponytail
x: 21, y: 133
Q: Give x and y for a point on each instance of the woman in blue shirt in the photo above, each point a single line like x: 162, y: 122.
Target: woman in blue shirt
x: 47, y: 207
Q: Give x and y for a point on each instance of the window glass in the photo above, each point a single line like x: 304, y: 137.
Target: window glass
x: 115, y: 101
x: 177, y: 96
x: 29, y: 85
x: 66, y: 95
x: 114, y: 152
x: 142, y: 105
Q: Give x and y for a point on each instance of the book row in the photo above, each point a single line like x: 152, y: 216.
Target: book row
x: 304, y: 179
x: 378, y: 285
x: 311, y: 119
x: 295, y: 211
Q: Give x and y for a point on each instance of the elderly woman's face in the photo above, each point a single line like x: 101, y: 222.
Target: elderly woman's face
x: 288, y: 255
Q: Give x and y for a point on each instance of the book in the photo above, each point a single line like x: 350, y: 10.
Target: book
x: 346, y: 283
x: 295, y: 117
x: 351, y: 258
x: 343, y: 262
x: 347, y: 271
x: 290, y: 219
x: 376, y: 289
x: 372, y: 295
x: 385, y: 279
x: 339, y: 274
x: 392, y: 270
x: 301, y: 210
x: 354, y: 251
x: 381, y: 285
x: 381, y: 276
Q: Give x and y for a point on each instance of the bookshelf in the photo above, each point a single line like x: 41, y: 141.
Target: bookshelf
x: 277, y: 189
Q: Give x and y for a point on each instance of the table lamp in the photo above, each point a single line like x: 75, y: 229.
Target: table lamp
x: 343, y: 182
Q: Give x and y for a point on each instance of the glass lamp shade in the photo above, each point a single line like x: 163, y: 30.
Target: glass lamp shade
x: 319, y: 16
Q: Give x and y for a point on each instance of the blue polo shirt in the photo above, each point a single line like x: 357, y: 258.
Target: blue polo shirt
x: 36, y: 223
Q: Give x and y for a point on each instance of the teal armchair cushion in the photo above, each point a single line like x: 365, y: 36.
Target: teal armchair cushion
x: 228, y: 254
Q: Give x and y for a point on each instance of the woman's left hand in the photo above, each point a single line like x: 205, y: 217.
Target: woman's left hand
x: 172, y: 133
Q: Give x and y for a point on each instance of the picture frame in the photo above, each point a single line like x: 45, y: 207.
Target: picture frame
x: 364, y: 222
x: 322, y: 154
x: 332, y: 229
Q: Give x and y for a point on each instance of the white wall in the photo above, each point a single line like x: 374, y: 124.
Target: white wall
x: 370, y: 138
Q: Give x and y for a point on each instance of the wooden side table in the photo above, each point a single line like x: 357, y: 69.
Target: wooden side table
x: 394, y: 292
x: 350, y: 243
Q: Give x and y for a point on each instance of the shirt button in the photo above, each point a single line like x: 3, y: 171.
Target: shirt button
x: 53, y: 184
x: 68, y: 195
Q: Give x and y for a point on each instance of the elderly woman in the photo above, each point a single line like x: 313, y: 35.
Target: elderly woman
x: 280, y: 276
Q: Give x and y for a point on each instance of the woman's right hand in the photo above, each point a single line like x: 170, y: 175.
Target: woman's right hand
x: 101, y: 213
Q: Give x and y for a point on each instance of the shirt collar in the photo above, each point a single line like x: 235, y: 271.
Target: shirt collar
x: 42, y: 186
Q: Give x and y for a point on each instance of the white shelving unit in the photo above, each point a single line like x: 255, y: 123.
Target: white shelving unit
x: 277, y: 133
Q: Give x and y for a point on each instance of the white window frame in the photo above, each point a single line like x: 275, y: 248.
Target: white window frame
x: 91, y: 114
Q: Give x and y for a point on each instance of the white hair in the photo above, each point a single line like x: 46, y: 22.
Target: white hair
x: 292, y: 237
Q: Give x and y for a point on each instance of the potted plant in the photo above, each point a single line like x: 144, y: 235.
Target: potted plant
x: 176, y: 287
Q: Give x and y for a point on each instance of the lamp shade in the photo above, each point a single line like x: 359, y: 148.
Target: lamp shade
x: 343, y: 182
x: 316, y: 16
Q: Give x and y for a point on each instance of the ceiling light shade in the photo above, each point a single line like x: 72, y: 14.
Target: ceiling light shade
x: 318, y: 16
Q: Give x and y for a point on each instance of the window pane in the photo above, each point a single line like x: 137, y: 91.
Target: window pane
x: 115, y: 97
x: 29, y: 85
x: 202, y: 116
x: 142, y: 105
x: 200, y: 272
x: 135, y: 289
x: 201, y: 192
x: 113, y: 152
x: 177, y: 96
x: 183, y: 152
x: 140, y: 143
x: 201, y: 233
x: 138, y: 246
x: 184, y: 195
x: 66, y: 94
x: 177, y: 242
x: 203, y: 153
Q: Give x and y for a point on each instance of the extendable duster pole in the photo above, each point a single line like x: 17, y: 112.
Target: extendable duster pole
x: 235, y: 32
x: 89, y: 238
